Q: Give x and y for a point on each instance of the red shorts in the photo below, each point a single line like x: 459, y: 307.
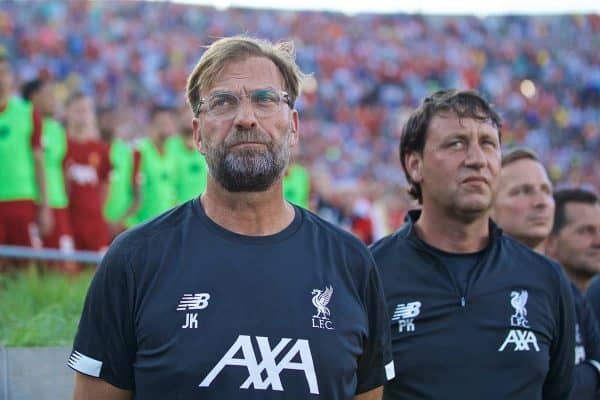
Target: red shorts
x: 17, y: 223
x: 90, y: 233
x: 61, y: 236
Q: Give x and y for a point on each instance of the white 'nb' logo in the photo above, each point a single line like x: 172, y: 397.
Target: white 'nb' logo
x: 405, y: 315
x: 300, y: 349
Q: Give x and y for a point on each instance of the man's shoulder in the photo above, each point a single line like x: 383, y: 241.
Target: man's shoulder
x: 322, y: 227
x: 153, y: 232
x: 391, y: 243
x: 524, y: 257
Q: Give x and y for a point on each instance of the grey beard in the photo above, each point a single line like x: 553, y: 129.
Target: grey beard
x: 249, y: 170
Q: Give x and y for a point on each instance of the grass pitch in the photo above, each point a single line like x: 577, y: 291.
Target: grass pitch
x: 41, y: 307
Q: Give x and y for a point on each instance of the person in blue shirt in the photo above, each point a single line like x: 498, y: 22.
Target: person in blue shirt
x: 525, y: 208
x: 236, y: 294
x: 474, y: 313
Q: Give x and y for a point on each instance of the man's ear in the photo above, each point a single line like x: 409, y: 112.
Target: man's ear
x: 294, y: 127
x: 197, y: 135
x: 414, y: 166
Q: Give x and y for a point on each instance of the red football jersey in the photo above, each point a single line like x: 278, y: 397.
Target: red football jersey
x: 87, y: 167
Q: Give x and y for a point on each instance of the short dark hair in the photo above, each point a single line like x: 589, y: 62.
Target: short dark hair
x: 464, y: 103
x: 30, y: 88
x: 519, y: 153
x: 565, y: 196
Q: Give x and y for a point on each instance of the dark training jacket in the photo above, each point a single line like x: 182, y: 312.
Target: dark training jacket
x: 587, y: 348
x: 509, y: 335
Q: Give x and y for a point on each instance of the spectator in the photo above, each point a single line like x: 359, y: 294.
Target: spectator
x: 41, y: 95
x: 87, y: 168
x: 22, y: 175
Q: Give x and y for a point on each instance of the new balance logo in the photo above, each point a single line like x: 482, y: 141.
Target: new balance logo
x: 198, y: 301
x: 189, y: 301
x: 300, y: 350
x: 405, y: 314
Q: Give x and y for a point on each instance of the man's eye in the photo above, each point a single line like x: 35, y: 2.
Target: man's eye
x: 265, y: 97
x: 222, y: 100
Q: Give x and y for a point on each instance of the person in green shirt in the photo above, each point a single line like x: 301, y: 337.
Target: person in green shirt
x: 296, y: 185
x: 154, y: 169
x: 22, y: 177
x: 119, y: 202
x: 40, y: 93
x: 191, y: 170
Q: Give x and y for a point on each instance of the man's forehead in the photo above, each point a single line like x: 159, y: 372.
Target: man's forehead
x: 249, y: 73
x: 526, y: 169
x: 450, y: 117
x: 579, y: 212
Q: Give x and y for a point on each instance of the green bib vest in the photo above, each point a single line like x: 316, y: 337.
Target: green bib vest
x: 55, y: 148
x: 120, y: 188
x: 296, y: 185
x: 191, y: 169
x: 156, y: 186
x: 17, y: 169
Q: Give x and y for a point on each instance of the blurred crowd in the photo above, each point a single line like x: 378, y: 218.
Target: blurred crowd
x: 366, y: 74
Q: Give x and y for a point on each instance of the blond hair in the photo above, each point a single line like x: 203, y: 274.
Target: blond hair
x: 237, y: 48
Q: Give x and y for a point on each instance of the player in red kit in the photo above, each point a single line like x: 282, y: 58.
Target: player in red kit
x: 87, y: 167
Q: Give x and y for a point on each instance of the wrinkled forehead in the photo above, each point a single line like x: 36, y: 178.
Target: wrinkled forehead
x: 247, y: 74
x: 449, y: 122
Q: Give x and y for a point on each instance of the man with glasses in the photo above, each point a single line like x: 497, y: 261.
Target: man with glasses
x: 236, y: 294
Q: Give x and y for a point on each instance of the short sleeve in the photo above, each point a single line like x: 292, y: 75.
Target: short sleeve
x: 105, y: 344
x: 375, y: 365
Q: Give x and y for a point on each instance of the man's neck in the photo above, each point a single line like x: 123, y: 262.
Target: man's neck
x: 251, y: 214
x: 582, y: 282
x: 453, y: 234
x: 159, y: 142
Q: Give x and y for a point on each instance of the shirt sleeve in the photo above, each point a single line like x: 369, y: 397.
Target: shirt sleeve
x: 559, y: 381
x: 593, y: 296
x: 591, y: 337
x: 105, y: 344
x: 375, y: 365
x: 36, y: 137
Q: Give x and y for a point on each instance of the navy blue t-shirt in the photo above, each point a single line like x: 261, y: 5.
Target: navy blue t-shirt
x: 508, y: 334
x: 181, y: 308
x: 593, y: 296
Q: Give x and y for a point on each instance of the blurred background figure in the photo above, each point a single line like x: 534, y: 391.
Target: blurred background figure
x: 575, y: 237
x: 155, y: 168
x: 22, y: 177
x: 87, y: 168
x: 525, y: 209
x: 119, y: 202
x: 191, y: 170
x: 41, y: 94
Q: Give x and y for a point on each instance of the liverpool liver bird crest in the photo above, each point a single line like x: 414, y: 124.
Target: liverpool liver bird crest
x: 518, y: 300
x: 320, y: 300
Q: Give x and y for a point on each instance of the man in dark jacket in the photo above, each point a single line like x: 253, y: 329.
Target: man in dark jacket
x: 475, y: 314
x: 525, y: 208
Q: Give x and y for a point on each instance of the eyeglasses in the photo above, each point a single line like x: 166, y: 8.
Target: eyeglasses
x: 224, y: 105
